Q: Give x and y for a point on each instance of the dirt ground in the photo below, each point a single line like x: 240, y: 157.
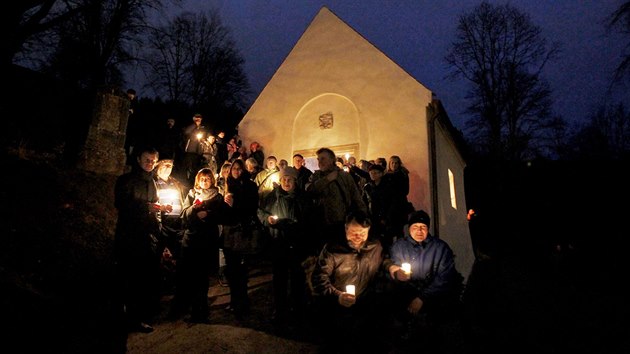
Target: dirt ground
x: 225, y: 334
x: 254, y: 333
x: 516, y: 304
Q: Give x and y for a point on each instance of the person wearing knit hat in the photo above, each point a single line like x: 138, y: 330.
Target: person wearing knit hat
x: 423, y: 275
x: 421, y: 217
x: 289, y: 171
x: 284, y: 212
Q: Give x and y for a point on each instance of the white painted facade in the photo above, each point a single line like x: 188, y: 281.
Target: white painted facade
x: 377, y: 110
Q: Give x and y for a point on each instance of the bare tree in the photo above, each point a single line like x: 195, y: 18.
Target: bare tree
x: 93, y: 48
x: 24, y: 21
x: 605, y: 136
x: 193, y: 59
x: 168, y: 60
x: 502, y: 54
x: 620, y: 20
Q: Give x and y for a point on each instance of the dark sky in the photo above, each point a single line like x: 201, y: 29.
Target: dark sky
x: 417, y: 33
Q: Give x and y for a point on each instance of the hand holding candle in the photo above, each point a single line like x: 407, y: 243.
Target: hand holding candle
x: 350, y: 289
x: 406, y: 267
x: 348, y: 298
x: 403, y: 273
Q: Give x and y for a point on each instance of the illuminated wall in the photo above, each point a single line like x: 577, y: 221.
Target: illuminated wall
x: 334, y: 71
x: 336, y: 89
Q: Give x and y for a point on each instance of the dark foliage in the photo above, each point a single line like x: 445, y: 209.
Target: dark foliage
x: 56, y: 268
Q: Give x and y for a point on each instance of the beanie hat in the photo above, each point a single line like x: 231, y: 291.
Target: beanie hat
x: 419, y: 216
x: 376, y: 167
x: 289, y: 171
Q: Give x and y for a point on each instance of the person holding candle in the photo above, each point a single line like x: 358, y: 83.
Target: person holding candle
x: 192, y: 148
x: 137, y: 242
x: 210, y: 149
x: 170, y: 193
x: 242, y: 197
x: 268, y: 178
x: 347, y: 300
x: 203, y: 208
x: 433, y: 286
x: 284, y: 212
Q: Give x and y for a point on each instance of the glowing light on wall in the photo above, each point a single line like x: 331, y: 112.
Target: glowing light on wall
x: 451, y: 184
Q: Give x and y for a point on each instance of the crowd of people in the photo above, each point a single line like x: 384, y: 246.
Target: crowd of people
x: 347, y: 249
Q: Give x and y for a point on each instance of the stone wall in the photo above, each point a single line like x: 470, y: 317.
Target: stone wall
x: 104, y: 150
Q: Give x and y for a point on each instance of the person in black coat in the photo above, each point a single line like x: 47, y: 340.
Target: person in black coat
x: 284, y: 211
x: 137, y: 244
x: 345, y: 281
x: 203, y: 209
x: 242, y: 197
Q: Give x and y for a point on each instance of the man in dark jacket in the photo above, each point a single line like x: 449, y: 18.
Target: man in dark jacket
x: 335, y: 195
x: 137, y: 241
x: 192, y: 148
x: 347, y: 300
x: 222, y: 151
x: 303, y: 172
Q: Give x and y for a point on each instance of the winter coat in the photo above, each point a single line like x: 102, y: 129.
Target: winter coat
x: 292, y: 209
x: 433, y: 273
x: 203, y: 233
x: 339, y: 265
x: 333, y: 200
x: 244, y: 209
x: 138, y: 225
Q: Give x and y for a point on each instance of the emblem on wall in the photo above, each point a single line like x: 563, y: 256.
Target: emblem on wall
x: 326, y: 121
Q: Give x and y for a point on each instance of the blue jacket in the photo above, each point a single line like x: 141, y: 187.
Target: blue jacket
x: 433, y: 272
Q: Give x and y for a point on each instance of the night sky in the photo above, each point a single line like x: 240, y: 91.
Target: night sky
x: 416, y: 34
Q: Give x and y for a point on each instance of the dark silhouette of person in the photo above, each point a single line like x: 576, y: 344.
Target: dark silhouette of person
x: 168, y: 140
x: 137, y: 242
x: 192, y: 149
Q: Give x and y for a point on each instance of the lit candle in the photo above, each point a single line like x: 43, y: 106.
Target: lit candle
x: 347, y: 156
x: 275, y: 178
x: 199, y: 136
x: 350, y: 289
x: 275, y: 217
x: 406, y: 267
x: 167, y: 196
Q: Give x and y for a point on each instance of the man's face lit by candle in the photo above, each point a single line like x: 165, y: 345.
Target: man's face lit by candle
x: 356, y: 234
x: 419, y: 231
x: 147, y: 161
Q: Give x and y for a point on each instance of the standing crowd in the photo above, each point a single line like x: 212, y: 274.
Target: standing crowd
x: 349, y: 254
